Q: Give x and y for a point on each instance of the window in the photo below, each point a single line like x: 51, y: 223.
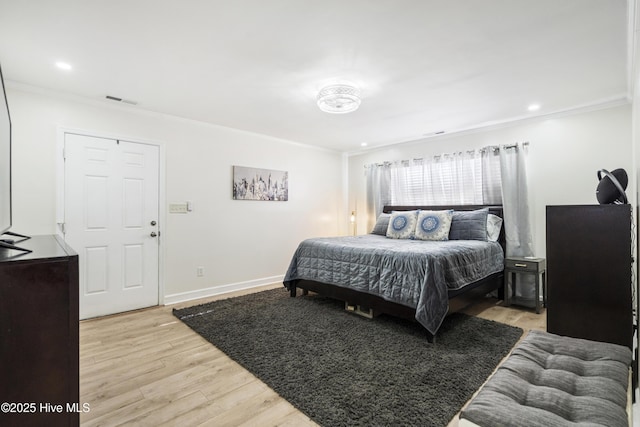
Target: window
x: 464, y: 178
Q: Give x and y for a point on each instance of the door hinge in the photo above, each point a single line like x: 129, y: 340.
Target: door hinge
x: 62, y: 227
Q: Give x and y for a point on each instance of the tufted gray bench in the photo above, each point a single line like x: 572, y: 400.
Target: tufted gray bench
x: 549, y: 381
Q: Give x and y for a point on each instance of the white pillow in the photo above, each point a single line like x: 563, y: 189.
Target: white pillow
x: 434, y: 225
x: 402, y: 224
x: 494, y: 224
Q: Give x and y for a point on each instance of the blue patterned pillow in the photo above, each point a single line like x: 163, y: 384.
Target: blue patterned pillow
x: 434, y: 225
x: 402, y: 225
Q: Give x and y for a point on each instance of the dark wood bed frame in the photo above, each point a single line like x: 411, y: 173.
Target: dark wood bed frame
x: 458, y: 299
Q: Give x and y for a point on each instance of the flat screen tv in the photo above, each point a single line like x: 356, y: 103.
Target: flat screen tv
x: 5, y: 175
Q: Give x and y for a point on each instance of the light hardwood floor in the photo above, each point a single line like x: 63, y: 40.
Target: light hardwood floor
x: 146, y: 368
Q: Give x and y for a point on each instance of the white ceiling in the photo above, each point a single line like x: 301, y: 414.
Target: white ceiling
x: 423, y: 66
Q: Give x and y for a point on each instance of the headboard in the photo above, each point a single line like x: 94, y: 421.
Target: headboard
x: 493, y: 209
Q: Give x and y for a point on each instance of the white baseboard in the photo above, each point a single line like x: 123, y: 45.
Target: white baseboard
x: 219, y: 290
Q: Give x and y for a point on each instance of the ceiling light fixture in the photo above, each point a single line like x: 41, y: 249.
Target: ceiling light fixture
x: 534, y: 107
x: 339, y: 99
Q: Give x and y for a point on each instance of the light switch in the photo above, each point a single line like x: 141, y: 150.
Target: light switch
x: 178, y: 207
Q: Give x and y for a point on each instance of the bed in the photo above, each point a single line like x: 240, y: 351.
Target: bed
x: 404, y: 277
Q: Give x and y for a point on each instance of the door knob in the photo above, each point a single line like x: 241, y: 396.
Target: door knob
x: 153, y: 223
x: 153, y: 234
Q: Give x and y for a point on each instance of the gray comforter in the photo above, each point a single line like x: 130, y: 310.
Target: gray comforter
x: 414, y: 273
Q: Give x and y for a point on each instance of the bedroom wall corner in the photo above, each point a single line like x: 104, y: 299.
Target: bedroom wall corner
x: 237, y: 243
x: 565, y: 152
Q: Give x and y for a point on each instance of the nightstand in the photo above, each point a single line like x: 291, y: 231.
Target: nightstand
x: 520, y: 265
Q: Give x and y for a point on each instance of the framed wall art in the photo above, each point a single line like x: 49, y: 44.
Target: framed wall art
x: 260, y: 184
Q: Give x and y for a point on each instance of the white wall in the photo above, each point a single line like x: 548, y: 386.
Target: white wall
x: 237, y: 242
x: 245, y: 242
x: 565, y: 152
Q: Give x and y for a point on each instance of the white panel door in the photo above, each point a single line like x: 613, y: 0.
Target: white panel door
x: 111, y: 220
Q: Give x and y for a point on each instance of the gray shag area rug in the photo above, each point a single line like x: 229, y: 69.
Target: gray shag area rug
x: 344, y: 370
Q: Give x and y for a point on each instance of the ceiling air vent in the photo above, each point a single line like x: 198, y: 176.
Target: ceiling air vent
x: 126, y: 101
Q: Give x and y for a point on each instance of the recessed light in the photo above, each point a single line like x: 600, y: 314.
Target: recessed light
x: 63, y: 65
x: 533, y: 107
x: 364, y: 144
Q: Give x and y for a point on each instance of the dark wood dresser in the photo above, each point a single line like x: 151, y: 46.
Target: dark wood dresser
x: 39, y: 343
x: 589, y: 265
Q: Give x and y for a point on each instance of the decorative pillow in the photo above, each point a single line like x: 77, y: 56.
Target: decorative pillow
x: 402, y: 225
x: 381, y: 224
x: 469, y: 225
x: 494, y: 224
x: 433, y: 225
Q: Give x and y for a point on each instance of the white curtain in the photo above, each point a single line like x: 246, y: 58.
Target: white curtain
x: 517, y: 222
x: 378, y: 177
x: 491, y: 176
x: 515, y: 198
x: 463, y: 178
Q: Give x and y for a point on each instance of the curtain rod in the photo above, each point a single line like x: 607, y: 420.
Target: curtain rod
x: 524, y: 144
x: 438, y: 156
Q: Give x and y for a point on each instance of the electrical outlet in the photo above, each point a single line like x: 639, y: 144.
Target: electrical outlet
x: 200, y: 271
x: 178, y: 208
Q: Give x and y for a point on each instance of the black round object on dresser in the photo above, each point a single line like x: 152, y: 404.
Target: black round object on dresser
x: 611, y: 186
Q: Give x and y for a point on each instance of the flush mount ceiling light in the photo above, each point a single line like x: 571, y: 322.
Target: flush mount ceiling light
x: 339, y: 99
